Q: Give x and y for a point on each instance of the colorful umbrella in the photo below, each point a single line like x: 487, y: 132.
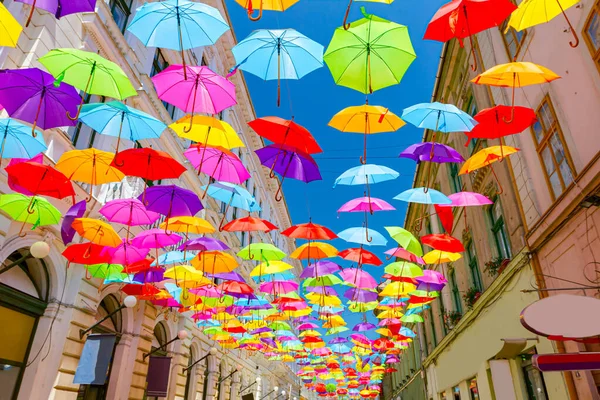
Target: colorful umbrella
x: 10, y: 30
x: 215, y: 262
x: 433, y: 152
x: 155, y: 239
x: 278, y: 54
x: 130, y: 212
x: 363, y: 236
x: 218, y: 163
x: 261, y: 252
x: 60, y: 8
x: 232, y: 195
x: 177, y: 25
x: 29, y: 210
x: 97, y: 232
x: 38, y: 179
x: 207, y: 130
x: 88, y: 72
x: 443, y: 242
x: 309, y: 231
x: 31, y: 95
x: 405, y: 239
x: 366, y: 204
x: 17, y: 141
x: 423, y: 195
x: 371, y: 54
x: 272, y: 5
x: 404, y: 254
x: 439, y: 257
x: 486, y: 157
x: 171, y: 201
x: 360, y: 256
x: 365, y: 175
x: 204, y: 244
x: 75, y: 211
x: 287, y: 133
x: 126, y: 253
x: 314, y: 250
x: 492, y: 122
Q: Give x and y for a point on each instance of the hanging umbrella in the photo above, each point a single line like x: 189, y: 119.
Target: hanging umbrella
x: 366, y: 204
x: 172, y: 257
x: 272, y: 264
x: 17, y: 141
x: 218, y: 163
x: 126, y: 253
x: 277, y: 288
x: 288, y: 163
x: 468, y: 199
x: 287, y: 133
x: 194, y: 90
x: 10, y: 30
x: 360, y: 256
x: 250, y: 224
x: 90, y: 166
x: 423, y: 196
x: 492, y: 122
x: 277, y: 54
x: 441, y: 153
x: 531, y: 13
x: 75, y: 211
x: 31, y: 95
x: 155, y: 239
x: 97, y: 232
x: 88, y: 72
x: 171, y: 201
x: 363, y: 236
x: 214, y: 262
x: 178, y: 25
x: 314, y: 251
x: 443, y: 242
x: 261, y: 252
x: 207, y: 130
x: 358, y: 278
x: 271, y: 5
x: 129, y: 212
x: 486, y: 157
x: 309, y: 231
x: 365, y: 175
x: 440, y: 257
x: 232, y: 195
x: 204, y: 244
x: 60, y: 8
x: 105, y: 271
x: 405, y: 239
x: 431, y: 281
x: 86, y: 254
x: 373, y: 53
x: 117, y: 119
x: 464, y: 18
x: 367, y: 120
x: 404, y: 254
x: 40, y: 180
x: 514, y: 75
x: 29, y: 210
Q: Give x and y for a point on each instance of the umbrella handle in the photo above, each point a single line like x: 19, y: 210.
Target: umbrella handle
x: 512, y: 110
x: 344, y: 24
x: 188, y: 129
x: 259, y: 15
x: 30, y: 14
x: 279, y: 194
x: 88, y: 276
x: 573, y: 45
x: 87, y: 85
x: 497, y: 181
x: 21, y: 233
x: 221, y: 224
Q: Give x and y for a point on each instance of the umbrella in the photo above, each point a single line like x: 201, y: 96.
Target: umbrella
x: 126, y: 253
x: 360, y: 256
x: 486, y: 157
x: 366, y: 174
x: 155, y: 239
x: 207, y: 130
x: 288, y: 162
x: 37, y: 159
x: 86, y: 254
x: 172, y: 257
x: 358, y: 278
x: 536, y: 12
x: 433, y: 152
x: 276, y: 288
x: 31, y: 95
x: 29, y: 210
x: 492, y: 122
x: 215, y: 262
x: 321, y: 268
x: 363, y: 236
x: 10, y: 30
x: 39, y: 179
x: 218, y: 163
x: 194, y: 90
x: 232, y: 195
x: 106, y: 271
x: 287, y: 133
x: 514, y: 75
x: 117, y: 119
x: 60, y: 8
x: 277, y: 54
x: 88, y: 72
x: 274, y: 265
x: 130, y: 212
x: 97, y: 232
x: 367, y: 120
x: 365, y: 204
x: 272, y: 5
x: 89, y: 166
x: 468, y: 199
x: 75, y: 211
x: 261, y: 252
x: 250, y: 224
x: 309, y: 231
x: 171, y: 201
x: 439, y: 257
x: 423, y: 196
x: 314, y: 250
x: 464, y: 18
x: 188, y: 224
x: 404, y: 254
x: 204, y: 244
x: 17, y: 141
x: 405, y: 239
x: 443, y: 242
x: 431, y: 281
x: 178, y: 25
x: 373, y: 53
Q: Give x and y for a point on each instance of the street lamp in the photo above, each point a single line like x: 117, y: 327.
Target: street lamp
x: 181, y: 335
x: 281, y: 394
x: 238, y: 367
x: 212, y: 352
x: 37, y: 250
x: 257, y: 380
x: 129, y: 302
x: 275, y: 389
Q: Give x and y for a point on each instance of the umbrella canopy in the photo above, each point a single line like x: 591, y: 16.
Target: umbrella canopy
x: 271, y: 267
x: 359, y: 278
x: 373, y: 53
x: 97, y: 232
x: 29, y: 210
x: 31, y: 95
x: 60, y: 8
x: 309, y: 231
x: 433, y: 152
x: 366, y: 204
x: 439, y: 117
x: 439, y: 257
x: 423, y: 196
x: 360, y: 256
x: 10, y: 30
x: 204, y: 244
x: 405, y: 239
x: 261, y: 252
x: 404, y: 254
x: 287, y: 133
x: 232, y: 195
x: 278, y: 54
x: 148, y: 164
x: 171, y: 201
x: 486, y: 157
x: 155, y: 239
x: 130, y: 212
x: 363, y: 236
x: 366, y: 174
x: 17, y: 141
x: 39, y: 179
x: 188, y: 224
x: 214, y: 262
x: 492, y: 122
x: 321, y: 268
x: 218, y: 163
x: 75, y: 211
x: 443, y: 242
x: 271, y: 5
x: 314, y: 250
x: 467, y: 199
x: 207, y: 130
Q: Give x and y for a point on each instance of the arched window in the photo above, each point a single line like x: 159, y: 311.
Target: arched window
x: 112, y: 325
x: 191, y: 374
x: 160, y: 339
x: 205, y: 385
x: 24, y: 291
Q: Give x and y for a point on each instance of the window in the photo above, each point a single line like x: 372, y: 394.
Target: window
x: 513, y: 40
x: 534, y: 380
x: 499, y: 230
x: 473, y: 390
x: 474, y: 266
x: 82, y: 136
x: 456, y: 393
x: 221, y: 373
x: 591, y: 33
x: 552, y: 150
x: 121, y: 11
x: 455, y: 181
x: 159, y: 64
x: 456, y: 302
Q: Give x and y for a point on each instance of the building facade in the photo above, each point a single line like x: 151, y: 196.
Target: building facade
x: 47, y: 302
x: 540, y: 232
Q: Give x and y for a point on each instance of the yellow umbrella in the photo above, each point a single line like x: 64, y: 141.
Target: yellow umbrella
x: 309, y: 332
x: 186, y: 273
x: 272, y: 267
x: 323, y: 300
x: 367, y: 120
x: 514, y: 75
x: 207, y: 130
x: 271, y: 5
x: 187, y: 225
x: 97, y: 231
x: 535, y: 12
x: 314, y: 251
x: 89, y: 166
x: 486, y: 157
x: 214, y: 262
x: 394, y: 313
x: 439, y: 257
x: 397, y: 289
x: 10, y: 30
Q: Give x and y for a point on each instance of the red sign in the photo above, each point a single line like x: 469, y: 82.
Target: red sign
x: 566, y: 362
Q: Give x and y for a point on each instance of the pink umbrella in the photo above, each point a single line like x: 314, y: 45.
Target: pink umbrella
x: 468, y: 199
x: 278, y: 287
x: 322, y: 351
x: 366, y: 204
x: 126, y: 253
x: 431, y: 281
x: 130, y: 212
x: 405, y: 255
x: 389, y: 321
x: 155, y: 239
x: 359, y: 278
x: 308, y: 325
x: 203, y: 91
x: 206, y: 291
x: 166, y: 303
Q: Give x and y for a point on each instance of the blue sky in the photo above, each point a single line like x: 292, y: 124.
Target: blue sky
x: 316, y: 98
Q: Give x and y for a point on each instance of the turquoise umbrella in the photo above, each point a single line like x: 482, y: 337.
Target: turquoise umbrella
x: 366, y: 174
x: 363, y: 236
x: 17, y: 141
x: 173, y: 257
x: 232, y: 195
x: 116, y: 119
x: 423, y: 196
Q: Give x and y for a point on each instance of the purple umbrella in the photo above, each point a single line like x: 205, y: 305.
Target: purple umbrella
x: 60, y: 8
x: 423, y: 152
x: 363, y: 326
x: 125, y: 253
x: 76, y: 211
x: 320, y: 268
x: 360, y: 295
x: 204, y: 244
x: 227, y: 276
x: 431, y: 281
x: 338, y: 340
x: 326, y: 290
x: 289, y: 163
x: 130, y: 212
x: 171, y: 201
x: 31, y: 95
x: 359, y: 278
x: 261, y: 330
x: 150, y: 275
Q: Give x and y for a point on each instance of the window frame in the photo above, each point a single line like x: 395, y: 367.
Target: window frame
x: 473, y: 264
x: 595, y: 53
x: 158, y: 68
x: 545, y: 143
x: 455, y: 291
x: 498, y: 226
x: 122, y: 4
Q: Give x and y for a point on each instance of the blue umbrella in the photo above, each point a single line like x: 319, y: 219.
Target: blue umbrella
x: 278, y: 54
x: 363, y: 236
x: 17, y: 140
x: 366, y: 174
x: 232, y: 195
x: 340, y: 348
x: 117, y: 119
x: 423, y: 196
x: 178, y: 25
x: 172, y: 257
x: 439, y: 117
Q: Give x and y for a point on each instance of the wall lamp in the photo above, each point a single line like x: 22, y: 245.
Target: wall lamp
x: 231, y: 374
x: 37, y: 250
x: 181, y: 335
x: 275, y: 389
x: 250, y: 385
x: 128, y: 302
x: 280, y: 394
x: 212, y: 352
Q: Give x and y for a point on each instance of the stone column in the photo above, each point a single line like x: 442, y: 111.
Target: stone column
x: 234, y: 388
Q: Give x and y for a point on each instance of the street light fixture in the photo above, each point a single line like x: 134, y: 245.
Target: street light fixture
x: 181, y: 335
x: 281, y: 394
x: 275, y: 389
x: 128, y: 302
x: 212, y: 352
x: 37, y: 250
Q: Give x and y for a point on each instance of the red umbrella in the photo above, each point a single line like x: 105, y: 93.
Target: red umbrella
x: 86, y: 254
x: 463, y: 18
x: 443, y: 242
x: 360, y: 256
x: 139, y: 266
x: 249, y: 224
x: 234, y: 287
x: 493, y: 125
x: 145, y: 291
x: 309, y: 231
x: 147, y: 163
x: 41, y: 180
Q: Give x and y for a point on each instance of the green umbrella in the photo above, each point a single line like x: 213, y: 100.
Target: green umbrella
x: 106, y: 271
x: 372, y: 54
x: 261, y: 252
x: 88, y: 72
x: 29, y: 210
x: 411, y: 318
x: 280, y: 326
x: 323, y: 280
x: 405, y: 239
x: 213, y: 330
x: 404, y: 269
x: 337, y: 329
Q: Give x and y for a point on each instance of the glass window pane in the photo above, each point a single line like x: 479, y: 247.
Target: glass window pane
x: 15, y: 334
x: 557, y: 146
x: 9, y: 375
x: 538, y: 131
x: 565, y: 172
x: 593, y: 30
x: 548, y: 162
x: 555, y: 183
x: 547, y: 117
